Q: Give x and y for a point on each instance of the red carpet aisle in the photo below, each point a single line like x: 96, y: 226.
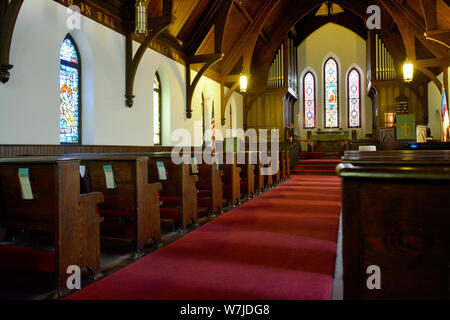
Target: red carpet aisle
x: 281, y: 245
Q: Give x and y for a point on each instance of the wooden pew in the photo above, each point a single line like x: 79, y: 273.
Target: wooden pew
x: 276, y: 177
x: 179, y: 191
x: 247, y: 183
x: 54, y: 208
x: 232, y: 180
x: 259, y: 178
x: 396, y: 216
x: 284, y: 165
x: 131, y: 207
x: 210, y: 187
x: 268, y: 178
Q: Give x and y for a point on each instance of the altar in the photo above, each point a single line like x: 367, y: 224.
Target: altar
x: 329, y: 141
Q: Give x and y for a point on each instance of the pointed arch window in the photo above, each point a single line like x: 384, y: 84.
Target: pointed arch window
x: 157, y: 110
x: 354, y: 99
x: 69, y: 92
x: 309, y: 97
x: 331, y: 79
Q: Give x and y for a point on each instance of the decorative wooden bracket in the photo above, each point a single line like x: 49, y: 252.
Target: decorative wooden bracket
x: 9, y: 10
x: 209, y: 60
x: 155, y: 27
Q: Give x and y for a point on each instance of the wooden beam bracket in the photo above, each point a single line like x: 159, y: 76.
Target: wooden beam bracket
x: 209, y: 60
x: 155, y: 27
x: 8, y: 16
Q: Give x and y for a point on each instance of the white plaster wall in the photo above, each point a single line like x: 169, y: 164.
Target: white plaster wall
x: 435, y: 108
x: 29, y: 102
x: 349, y: 50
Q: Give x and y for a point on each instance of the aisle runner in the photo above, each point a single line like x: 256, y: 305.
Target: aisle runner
x: 281, y: 245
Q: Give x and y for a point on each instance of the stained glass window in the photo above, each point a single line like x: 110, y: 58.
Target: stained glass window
x: 69, y: 92
x: 331, y: 94
x: 156, y: 110
x: 354, y: 99
x: 309, y: 93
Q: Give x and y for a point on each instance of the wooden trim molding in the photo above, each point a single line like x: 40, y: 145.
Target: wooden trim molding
x: 8, y: 16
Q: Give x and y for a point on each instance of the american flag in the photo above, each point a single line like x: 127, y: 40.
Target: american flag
x: 445, y: 117
x: 213, y: 130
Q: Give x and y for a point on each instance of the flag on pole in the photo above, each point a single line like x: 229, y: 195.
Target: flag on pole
x: 445, y: 116
x: 213, y: 130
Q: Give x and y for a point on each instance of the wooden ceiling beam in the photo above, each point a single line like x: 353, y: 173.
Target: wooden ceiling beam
x: 410, y: 28
x: 429, y: 8
x: 216, y: 14
x: 249, y: 18
x: 439, y: 36
x: 244, y: 49
x: 429, y: 63
x: 246, y: 44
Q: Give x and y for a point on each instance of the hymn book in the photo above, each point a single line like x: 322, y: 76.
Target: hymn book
x: 194, y: 165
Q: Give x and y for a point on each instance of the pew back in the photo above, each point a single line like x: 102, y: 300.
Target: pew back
x: 395, y: 217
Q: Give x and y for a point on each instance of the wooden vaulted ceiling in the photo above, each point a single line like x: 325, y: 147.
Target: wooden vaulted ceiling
x: 254, y: 29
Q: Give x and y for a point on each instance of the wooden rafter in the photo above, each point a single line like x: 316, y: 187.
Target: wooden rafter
x: 429, y: 8
x: 218, y: 20
x: 244, y: 49
x: 155, y: 27
x: 8, y: 16
x: 411, y: 26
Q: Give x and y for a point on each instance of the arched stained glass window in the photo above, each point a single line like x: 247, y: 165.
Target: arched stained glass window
x: 69, y: 92
x: 156, y: 110
x: 331, y: 78
x: 309, y: 94
x: 354, y: 99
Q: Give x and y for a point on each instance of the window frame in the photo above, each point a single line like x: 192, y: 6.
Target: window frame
x: 359, y: 98
x: 304, y: 101
x: 77, y: 66
x: 160, y: 110
x: 325, y: 94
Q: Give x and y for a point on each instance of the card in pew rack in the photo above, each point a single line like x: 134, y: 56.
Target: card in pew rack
x: 109, y: 176
x: 25, y: 184
x: 82, y: 171
x: 194, y: 165
x: 161, y: 171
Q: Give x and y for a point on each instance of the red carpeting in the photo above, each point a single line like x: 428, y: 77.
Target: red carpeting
x: 280, y: 245
x: 316, y: 166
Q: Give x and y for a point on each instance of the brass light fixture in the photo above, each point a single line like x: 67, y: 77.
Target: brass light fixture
x: 244, y: 82
x: 141, y: 17
x: 408, y: 71
x: 329, y: 8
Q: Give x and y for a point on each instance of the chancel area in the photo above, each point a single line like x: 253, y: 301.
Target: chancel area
x: 224, y: 150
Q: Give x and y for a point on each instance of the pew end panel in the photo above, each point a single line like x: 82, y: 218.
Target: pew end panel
x: 90, y: 221
x: 148, y: 215
x: 57, y: 209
